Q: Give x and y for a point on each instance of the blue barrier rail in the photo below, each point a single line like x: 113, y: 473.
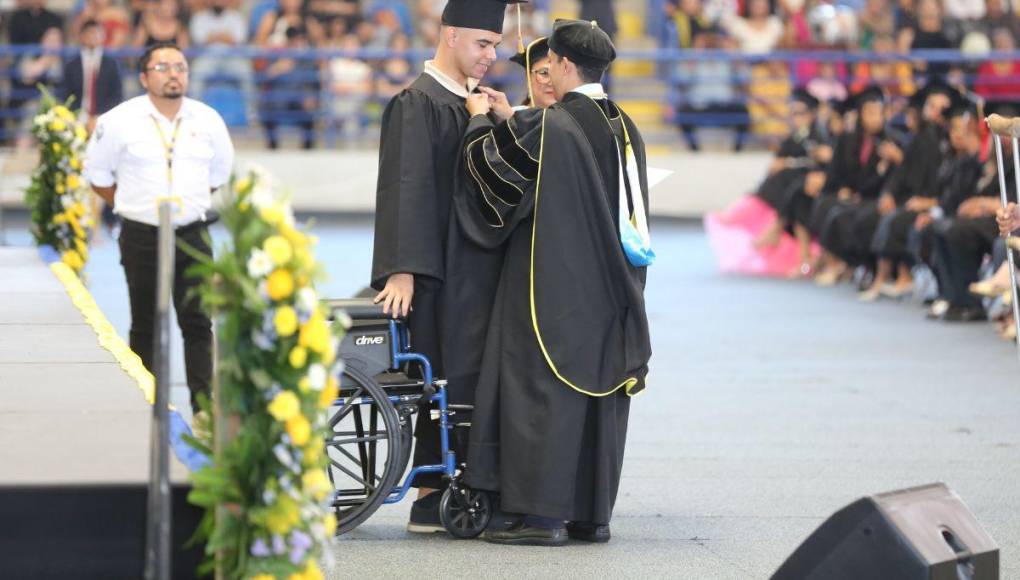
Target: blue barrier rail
x: 327, y: 102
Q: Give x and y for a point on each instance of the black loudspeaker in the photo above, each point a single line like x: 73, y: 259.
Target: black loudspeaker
x: 921, y: 533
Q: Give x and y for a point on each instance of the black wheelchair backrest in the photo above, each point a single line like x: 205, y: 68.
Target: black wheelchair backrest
x: 367, y: 346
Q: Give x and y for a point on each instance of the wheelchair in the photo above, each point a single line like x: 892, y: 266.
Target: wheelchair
x: 370, y: 437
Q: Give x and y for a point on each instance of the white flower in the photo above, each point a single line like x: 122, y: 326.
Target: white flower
x: 259, y: 264
x: 306, y: 299
x: 317, y: 377
x: 343, y: 318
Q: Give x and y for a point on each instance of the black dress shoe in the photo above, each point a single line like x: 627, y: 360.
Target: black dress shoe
x: 595, y: 533
x: 523, y: 535
x: 965, y: 314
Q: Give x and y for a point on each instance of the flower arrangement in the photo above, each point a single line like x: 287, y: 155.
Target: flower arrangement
x: 278, y: 374
x: 55, y: 195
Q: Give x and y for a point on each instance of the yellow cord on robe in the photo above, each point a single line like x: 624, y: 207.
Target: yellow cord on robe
x: 628, y: 384
x: 107, y: 335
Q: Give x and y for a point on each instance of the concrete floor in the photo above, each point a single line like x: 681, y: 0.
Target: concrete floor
x: 771, y: 405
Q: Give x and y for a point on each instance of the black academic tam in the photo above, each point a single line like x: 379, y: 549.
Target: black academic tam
x: 478, y: 14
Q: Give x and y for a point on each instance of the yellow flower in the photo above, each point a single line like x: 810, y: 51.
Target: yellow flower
x: 286, y: 321
x: 284, y: 406
x: 81, y: 133
x: 81, y: 246
x: 76, y: 163
x: 328, y: 394
x: 64, y: 113
x: 299, y: 430
x: 57, y: 125
x: 280, y: 284
x: 312, y: 571
x: 304, y: 385
x: 73, y: 260
x: 59, y: 188
x: 57, y: 148
x: 243, y: 184
x: 329, y: 522
x: 75, y: 226
x: 279, y: 249
x: 298, y: 355
x: 263, y: 577
x: 328, y: 356
x: 272, y: 215
x: 295, y: 237
x: 243, y: 206
x: 78, y: 209
x: 316, y: 483
x: 315, y: 333
x: 73, y: 182
x: 312, y: 454
x: 283, y: 516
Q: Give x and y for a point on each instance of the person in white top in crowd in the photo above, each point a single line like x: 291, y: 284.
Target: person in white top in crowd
x: 154, y: 147
x: 218, y: 29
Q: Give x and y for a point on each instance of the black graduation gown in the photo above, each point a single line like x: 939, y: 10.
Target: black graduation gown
x: 846, y: 228
x: 779, y: 189
x: 568, y: 341
x: 455, y: 279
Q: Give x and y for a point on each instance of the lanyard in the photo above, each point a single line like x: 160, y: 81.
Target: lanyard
x: 168, y: 148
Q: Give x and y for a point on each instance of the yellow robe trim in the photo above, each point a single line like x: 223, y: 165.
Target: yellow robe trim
x: 627, y: 385
x: 107, y: 335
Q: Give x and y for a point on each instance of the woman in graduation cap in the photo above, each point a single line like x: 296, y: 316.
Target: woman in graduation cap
x: 422, y: 265
x: 535, y: 60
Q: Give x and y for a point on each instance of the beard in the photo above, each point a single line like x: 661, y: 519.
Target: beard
x: 175, y: 91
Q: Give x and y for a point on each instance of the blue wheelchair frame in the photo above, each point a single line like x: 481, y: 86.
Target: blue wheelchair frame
x: 401, y: 353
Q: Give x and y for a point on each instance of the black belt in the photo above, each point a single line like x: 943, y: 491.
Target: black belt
x: 195, y: 225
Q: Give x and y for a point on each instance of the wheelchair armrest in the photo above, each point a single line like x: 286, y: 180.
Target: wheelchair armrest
x: 359, y: 308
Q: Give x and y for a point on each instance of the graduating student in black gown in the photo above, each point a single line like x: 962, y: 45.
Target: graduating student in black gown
x: 910, y: 189
x: 568, y: 342
x: 839, y: 218
x: 422, y: 263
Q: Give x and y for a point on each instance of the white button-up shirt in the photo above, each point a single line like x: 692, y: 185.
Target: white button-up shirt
x: 128, y: 150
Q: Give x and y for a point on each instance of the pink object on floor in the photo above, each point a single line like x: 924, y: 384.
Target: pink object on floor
x: 732, y: 232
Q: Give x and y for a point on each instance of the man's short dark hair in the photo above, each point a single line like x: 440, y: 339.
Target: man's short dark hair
x: 143, y: 62
x: 587, y: 73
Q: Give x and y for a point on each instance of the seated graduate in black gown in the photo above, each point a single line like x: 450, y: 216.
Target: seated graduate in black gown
x: 962, y: 175
x: 910, y: 190
x: 564, y: 190
x: 852, y: 185
x: 803, y: 151
x: 963, y: 241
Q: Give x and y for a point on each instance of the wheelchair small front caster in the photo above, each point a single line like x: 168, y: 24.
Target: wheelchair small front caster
x: 464, y: 512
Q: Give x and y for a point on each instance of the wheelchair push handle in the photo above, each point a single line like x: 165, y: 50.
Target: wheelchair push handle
x: 360, y: 309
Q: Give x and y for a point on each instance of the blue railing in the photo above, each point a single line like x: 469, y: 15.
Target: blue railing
x: 330, y: 101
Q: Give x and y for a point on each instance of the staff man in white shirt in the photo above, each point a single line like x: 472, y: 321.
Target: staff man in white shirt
x: 159, y: 146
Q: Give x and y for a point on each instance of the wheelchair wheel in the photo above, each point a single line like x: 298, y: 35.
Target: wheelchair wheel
x: 367, y: 447
x: 464, y: 512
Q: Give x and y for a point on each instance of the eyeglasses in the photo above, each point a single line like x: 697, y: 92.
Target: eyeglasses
x: 163, y: 67
x: 541, y: 74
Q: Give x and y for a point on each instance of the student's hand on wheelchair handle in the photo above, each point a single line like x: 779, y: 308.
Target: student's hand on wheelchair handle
x: 1008, y: 219
x: 397, y: 294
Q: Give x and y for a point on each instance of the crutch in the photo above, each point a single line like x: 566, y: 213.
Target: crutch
x: 1003, y: 127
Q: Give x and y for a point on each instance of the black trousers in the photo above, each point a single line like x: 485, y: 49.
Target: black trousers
x: 138, y: 255
x: 962, y: 244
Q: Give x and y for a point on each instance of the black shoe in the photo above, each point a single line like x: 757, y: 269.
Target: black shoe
x: 425, y: 515
x: 595, y: 533
x: 965, y: 314
x: 522, y: 535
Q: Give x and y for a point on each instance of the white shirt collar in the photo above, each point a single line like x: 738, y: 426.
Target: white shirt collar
x: 449, y: 84
x: 148, y: 108
x: 593, y: 90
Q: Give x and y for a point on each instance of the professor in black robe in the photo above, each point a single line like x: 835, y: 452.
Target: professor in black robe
x: 422, y: 264
x: 568, y: 342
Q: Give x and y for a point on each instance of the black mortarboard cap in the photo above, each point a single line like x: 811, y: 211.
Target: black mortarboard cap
x: 537, y: 50
x: 583, y: 42
x: 936, y: 86
x: 802, y: 96
x: 478, y: 14
x: 870, y: 94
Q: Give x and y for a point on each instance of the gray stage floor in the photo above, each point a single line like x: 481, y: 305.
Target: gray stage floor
x: 771, y: 405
